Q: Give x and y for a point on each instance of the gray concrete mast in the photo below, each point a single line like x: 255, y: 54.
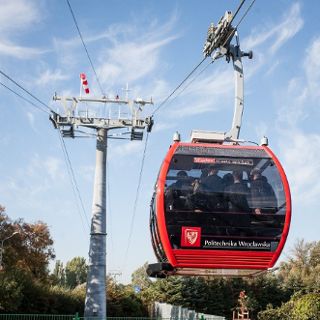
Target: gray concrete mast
x: 95, y: 304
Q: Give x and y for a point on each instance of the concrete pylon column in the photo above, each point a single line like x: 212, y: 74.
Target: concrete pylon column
x: 95, y: 304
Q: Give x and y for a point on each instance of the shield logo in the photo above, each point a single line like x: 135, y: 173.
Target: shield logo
x: 190, y: 237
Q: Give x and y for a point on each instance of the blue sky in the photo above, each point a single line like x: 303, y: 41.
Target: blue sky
x: 152, y: 45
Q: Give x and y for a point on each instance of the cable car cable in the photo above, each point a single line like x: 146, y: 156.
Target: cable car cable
x: 25, y: 90
x: 136, y: 200
x: 242, y: 18
x: 84, y: 45
x: 64, y: 150
x: 238, y: 9
x: 73, y: 178
x: 25, y: 99
x: 197, y: 66
x: 181, y: 83
x: 73, y: 181
x: 246, y: 12
x: 193, y: 79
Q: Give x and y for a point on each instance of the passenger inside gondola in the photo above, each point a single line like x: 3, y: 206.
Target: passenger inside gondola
x: 236, y: 195
x: 197, y: 200
x: 263, y: 197
x: 176, y: 194
x: 213, y: 186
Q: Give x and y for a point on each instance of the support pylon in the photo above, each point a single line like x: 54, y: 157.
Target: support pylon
x: 95, y: 303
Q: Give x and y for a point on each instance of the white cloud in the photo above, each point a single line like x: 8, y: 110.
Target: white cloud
x: 131, y: 60
x: 301, y: 161
x: 35, y: 178
x: 312, y: 68
x: 18, y: 16
x: 282, y: 31
x: 303, y: 90
x: 30, y: 117
x: 125, y: 150
x: 10, y: 49
x: 204, y: 95
x: 51, y: 76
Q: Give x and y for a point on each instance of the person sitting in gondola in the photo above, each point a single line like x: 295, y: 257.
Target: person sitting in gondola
x: 263, y: 197
x: 176, y: 193
x: 213, y: 186
x: 236, y: 195
x: 197, y: 200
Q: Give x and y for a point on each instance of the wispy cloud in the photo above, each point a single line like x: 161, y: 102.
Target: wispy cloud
x: 284, y: 30
x: 49, y: 76
x: 134, y: 56
x: 10, y: 49
x: 17, y: 16
x: 123, y: 150
x: 35, y: 178
x: 204, y: 94
x: 300, y: 148
x: 302, y: 90
x: 301, y: 162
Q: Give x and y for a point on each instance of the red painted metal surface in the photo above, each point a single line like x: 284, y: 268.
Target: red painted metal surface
x: 217, y: 259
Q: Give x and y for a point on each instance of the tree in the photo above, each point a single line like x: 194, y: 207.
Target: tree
x: 301, y: 271
x: 140, y: 279
x: 30, y: 250
x: 76, y: 272
x: 122, y: 301
x: 305, y: 307
x: 58, y: 275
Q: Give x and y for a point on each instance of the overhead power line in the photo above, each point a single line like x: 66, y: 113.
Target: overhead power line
x: 85, y: 47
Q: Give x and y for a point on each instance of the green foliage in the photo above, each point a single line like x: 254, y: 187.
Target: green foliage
x: 30, y: 249
x: 58, y: 276
x: 301, y: 271
x: 122, y: 301
x: 27, y: 287
x: 140, y: 278
x: 76, y: 272
x: 305, y: 307
x: 10, y: 293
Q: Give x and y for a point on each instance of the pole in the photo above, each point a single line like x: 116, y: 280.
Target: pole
x: 2, y: 249
x: 95, y: 304
x: 1, y: 254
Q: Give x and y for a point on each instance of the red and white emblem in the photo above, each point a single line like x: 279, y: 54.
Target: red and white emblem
x: 190, y: 236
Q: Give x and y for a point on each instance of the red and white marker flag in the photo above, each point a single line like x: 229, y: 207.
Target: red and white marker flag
x: 84, y: 83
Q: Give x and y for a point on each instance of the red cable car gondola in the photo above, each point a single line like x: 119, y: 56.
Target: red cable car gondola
x: 219, y: 207
x: 219, y: 210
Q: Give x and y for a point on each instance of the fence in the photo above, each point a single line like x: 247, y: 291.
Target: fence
x: 161, y: 311
x: 171, y: 312
x: 183, y: 314
x: 63, y: 317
